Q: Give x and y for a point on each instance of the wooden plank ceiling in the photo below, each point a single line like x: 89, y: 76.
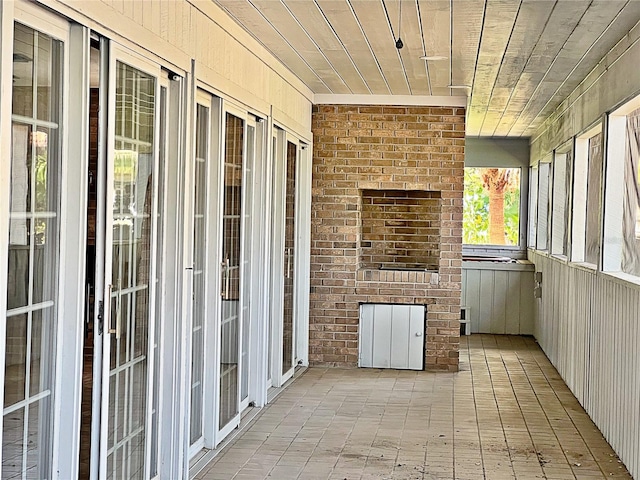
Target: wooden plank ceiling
x: 515, y: 60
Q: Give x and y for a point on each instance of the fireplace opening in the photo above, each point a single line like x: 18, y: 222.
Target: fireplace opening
x: 400, y: 230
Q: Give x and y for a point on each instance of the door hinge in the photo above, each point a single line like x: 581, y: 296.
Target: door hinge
x: 100, y: 317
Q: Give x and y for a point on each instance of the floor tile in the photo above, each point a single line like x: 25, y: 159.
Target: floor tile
x: 505, y: 415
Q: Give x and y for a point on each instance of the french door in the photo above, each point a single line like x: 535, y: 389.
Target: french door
x: 131, y: 219
x: 34, y: 252
x: 203, y: 151
x: 233, y: 352
x: 282, y: 322
x: 221, y: 324
x: 289, y: 254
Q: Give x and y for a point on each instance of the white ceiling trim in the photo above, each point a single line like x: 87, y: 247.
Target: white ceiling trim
x: 410, y: 100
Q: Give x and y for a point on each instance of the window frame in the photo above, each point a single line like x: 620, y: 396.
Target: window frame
x: 543, y: 203
x: 581, y: 162
x: 615, y: 141
x: 532, y: 216
x: 561, y: 178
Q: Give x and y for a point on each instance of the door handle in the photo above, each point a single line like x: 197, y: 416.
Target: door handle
x: 418, y: 334
x: 106, y: 312
x: 288, y: 254
x: 225, y: 288
x: 119, y: 312
x: 118, y: 329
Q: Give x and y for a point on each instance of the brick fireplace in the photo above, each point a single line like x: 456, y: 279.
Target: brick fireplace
x: 386, y: 224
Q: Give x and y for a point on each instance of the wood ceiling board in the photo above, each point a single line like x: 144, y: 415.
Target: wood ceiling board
x: 473, y: 112
x: 436, y: 21
x: 374, y: 23
x: 510, y: 115
x: 527, y: 116
x: 497, y: 31
x: 348, y: 30
x: 498, y: 26
x: 575, y: 62
x: 313, y: 21
x: 527, y: 31
x: 564, y: 19
x: 439, y: 75
x: 435, y: 17
x: 283, y: 22
x: 467, y: 25
x: 528, y: 28
x: 445, y: 91
x: 254, y: 23
x: 491, y: 119
x: 595, y: 21
x: 606, y: 45
x: 411, y: 33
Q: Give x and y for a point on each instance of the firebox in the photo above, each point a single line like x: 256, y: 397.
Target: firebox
x: 400, y: 230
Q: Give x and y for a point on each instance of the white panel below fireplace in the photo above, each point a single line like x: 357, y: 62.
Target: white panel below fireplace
x: 391, y: 336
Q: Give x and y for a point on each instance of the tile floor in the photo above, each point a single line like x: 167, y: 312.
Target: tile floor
x: 507, y: 414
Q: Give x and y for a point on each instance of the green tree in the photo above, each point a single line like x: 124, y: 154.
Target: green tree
x: 491, y: 206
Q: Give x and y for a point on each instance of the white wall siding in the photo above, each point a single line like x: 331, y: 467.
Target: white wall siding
x: 499, y: 298
x: 588, y: 324
x: 227, y: 58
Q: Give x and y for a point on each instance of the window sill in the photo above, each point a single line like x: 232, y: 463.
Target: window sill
x: 511, y: 251
x: 521, y: 265
x: 587, y: 267
x: 622, y: 278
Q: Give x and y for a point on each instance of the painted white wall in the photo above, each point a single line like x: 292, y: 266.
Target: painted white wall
x: 498, y: 297
x: 587, y: 324
x: 587, y: 321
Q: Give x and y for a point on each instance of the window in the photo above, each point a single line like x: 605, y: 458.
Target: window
x: 491, y: 214
x: 631, y: 199
x: 562, y: 164
x: 533, y: 206
x: 542, y: 230
x: 621, y: 193
x: 587, y: 188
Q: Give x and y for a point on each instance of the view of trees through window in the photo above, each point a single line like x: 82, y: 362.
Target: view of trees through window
x: 491, y: 206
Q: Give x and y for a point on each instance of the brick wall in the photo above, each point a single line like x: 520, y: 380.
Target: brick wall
x: 360, y: 148
x: 400, y: 228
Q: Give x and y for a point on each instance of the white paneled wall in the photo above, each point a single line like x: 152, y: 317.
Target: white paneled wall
x: 588, y: 324
x: 498, y: 297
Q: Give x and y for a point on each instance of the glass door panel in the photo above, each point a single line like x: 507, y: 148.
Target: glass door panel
x: 289, y: 259
x: 199, y: 297
x: 31, y: 322
x: 232, y: 212
x: 132, y: 223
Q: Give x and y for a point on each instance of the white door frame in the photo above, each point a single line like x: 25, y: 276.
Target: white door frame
x: 277, y: 196
x: 251, y: 258
x: 278, y: 207
x: 259, y: 267
x: 303, y: 253
x: 121, y: 54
